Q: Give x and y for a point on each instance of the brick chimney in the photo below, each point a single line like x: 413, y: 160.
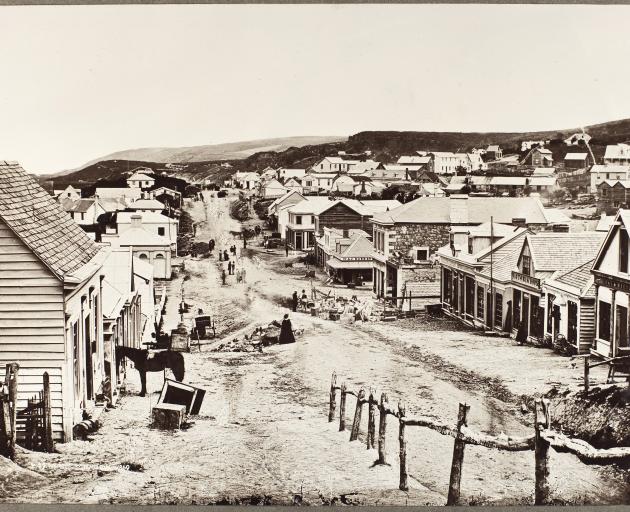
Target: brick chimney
x: 136, y: 221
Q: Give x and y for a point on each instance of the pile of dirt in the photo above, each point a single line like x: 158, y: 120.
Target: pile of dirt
x: 14, y: 478
x: 601, y: 417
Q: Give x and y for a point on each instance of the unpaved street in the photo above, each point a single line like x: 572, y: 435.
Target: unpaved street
x: 262, y: 435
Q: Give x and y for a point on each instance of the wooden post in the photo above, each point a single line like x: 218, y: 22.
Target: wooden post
x: 586, y: 370
x: 458, y: 458
x: 342, y: 408
x: 49, y: 444
x: 371, y: 422
x: 404, y: 485
x: 542, y: 421
x: 333, y: 398
x: 382, y: 425
x: 13, y: 393
x: 356, y: 424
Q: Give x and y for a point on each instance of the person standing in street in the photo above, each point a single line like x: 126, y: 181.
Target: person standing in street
x: 243, y: 275
x: 286, y: 331
x: 220, y: 256
x: 225, y: 255
x: 294, y: 301
x: 223, y: 276
x: 286, y: 249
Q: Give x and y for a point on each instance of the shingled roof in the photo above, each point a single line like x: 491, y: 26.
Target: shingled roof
x: 40, y: 222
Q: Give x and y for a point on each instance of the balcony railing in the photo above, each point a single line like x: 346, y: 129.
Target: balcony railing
x: 525, y: 279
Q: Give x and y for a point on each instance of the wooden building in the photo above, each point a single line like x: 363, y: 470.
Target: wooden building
x: 50, y: 300
x: 611, y: 271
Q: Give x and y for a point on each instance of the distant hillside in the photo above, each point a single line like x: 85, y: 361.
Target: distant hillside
x: 214, y: 152
x: 386, y: 146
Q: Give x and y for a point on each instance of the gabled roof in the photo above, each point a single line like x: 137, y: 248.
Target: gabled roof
x: 575, y: 156
x: 493, y: 148
x: 147, y: 218
x: 40, y: 222
x: 610, y: 168
x: 616, y: 183
x: 285, y: 196
x: 617, y: 151
x: 580, y: 278
x: 360, y: 247
x: 138, y: 176
x: 563, y: 251
x: 413, y: 160
x: 147, y: 204
x: 140, y: 237
x: 77, y: 205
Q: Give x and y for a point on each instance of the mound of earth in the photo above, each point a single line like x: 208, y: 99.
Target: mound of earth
x: 601, y: 417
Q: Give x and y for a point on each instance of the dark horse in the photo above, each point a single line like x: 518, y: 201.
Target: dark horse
x: 156, y: 363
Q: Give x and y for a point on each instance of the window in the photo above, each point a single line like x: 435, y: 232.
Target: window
x: 312, y: 219
x: 480, y: 301
x: 161, y: 231
x: 621, y: 330
x: 517, y: 308
x: 526, y: 265
x: 470, y: 244
x: 550, y: 299
x: 298, y: 219
x: 623, y: 250
x: 498, y: 310
x: 604, y: 321
x: 422, y: 254
x: 82, y: 216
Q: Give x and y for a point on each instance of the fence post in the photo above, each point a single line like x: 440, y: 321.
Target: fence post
x: 382, y: 426
x: 403, y: 486
x: 342, y: 408
x: 371, y: 422
x: 458, y: 457
x: 542, y: 421
x: 356, y: 424
x: 586, y: 370
x: 50, y: 447
x: 333, y: 398
x: 13, y: 393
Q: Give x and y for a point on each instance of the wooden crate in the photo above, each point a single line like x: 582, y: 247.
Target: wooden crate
x: 168, y: 416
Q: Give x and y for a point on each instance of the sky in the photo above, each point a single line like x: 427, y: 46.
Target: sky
x: 79, y: 82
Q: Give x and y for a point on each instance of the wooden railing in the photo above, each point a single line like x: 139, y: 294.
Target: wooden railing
x: 540, y: 441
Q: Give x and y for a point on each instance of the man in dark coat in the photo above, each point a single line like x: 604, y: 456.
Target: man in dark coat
x: 225, y: 255
x: 294, y: 301
x: 223, y: 276
x: 220, y: 256
x: 286, y: 331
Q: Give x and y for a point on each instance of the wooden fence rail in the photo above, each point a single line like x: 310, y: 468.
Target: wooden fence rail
x: 542, y: 439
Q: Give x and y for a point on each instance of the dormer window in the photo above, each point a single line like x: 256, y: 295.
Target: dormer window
x: 526, y: 264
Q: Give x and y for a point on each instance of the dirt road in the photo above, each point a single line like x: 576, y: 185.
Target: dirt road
x: 262, y: 435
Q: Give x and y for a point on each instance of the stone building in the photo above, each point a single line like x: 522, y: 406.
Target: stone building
x: 407, y: 238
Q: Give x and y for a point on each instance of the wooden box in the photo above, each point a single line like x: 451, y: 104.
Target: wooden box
x: 168, y: 416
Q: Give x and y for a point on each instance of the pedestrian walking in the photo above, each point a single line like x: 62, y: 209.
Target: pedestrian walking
x: 238, y: 276
x: 223, y: 276
x: 286, y: 249
x: 304, y: 299
x: 225, y: 255
x: 220, y: 256
x: 243, y: 275
x: 294, y: 301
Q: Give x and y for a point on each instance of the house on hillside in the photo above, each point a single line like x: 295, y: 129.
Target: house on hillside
x: 366, y: 188
x: 168, y: 196
x: 336, y: 164
x: 246, y: 180
x: 415, y: 162
x: 50, y: 276
x: 67, y: 193
x: 272, y: 188
x: 317, y: 182
x: 494, y: 152
x: 126, y: 195
x: 577, y: 138
x: 538, y: 157
x: 601, y: 173
x: 617, y: 154
x: 84, y: 212
x: 577, y: 161
x: 293, y: 184
x: 286, y: 174
x: 140, y: 181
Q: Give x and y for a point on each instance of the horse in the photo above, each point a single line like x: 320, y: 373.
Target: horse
x: 158, y: 362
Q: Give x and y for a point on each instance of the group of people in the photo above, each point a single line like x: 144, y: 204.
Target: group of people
x: 224, y: 256
x: 296, y: 301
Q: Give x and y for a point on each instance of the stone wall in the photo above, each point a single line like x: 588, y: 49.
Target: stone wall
x: 406, y: 236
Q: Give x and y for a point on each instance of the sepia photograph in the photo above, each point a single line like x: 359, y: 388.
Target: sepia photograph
x: 315, y: 255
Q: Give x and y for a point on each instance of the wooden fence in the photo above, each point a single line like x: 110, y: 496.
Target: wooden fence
x: 35, y: 420
x: 540, y: 441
